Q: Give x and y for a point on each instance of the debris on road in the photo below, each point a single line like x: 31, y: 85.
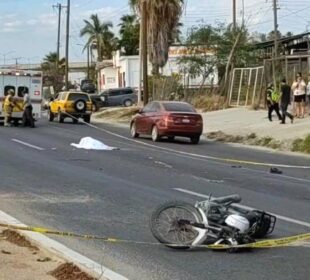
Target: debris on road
x: 275, y: 170
x: 90, y: 143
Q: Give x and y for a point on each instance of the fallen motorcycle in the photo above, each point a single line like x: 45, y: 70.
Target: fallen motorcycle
x: 180, y: 225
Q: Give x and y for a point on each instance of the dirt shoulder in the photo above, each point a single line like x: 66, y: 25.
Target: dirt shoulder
x: 235, y: 125
x: 22, y: 260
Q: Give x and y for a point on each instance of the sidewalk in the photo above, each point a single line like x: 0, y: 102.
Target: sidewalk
x: 242, y: 122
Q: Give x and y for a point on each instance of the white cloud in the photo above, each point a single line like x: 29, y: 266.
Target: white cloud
x: 32, y: 22
x: 12, y: 24
x: 9, y: 30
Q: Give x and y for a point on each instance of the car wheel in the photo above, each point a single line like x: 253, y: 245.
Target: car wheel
x: 155, y: 134
x: 195, y: 139
x: 80, y: 105
x: 60, y: 117
x: 87, y: 119
x: 50, y: 115
x: 127, y: 103
x: 95, y: 107
x: 133, y: 131
x: 171, y: 138
x: 75, y: 121
x: 16, y: 122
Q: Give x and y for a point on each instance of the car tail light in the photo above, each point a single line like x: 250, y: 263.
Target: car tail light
x: 37, y: 93
x: 168, y: 119
x: 199, y: 121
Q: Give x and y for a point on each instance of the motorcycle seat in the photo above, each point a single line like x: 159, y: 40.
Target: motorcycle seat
x: 234, y: 198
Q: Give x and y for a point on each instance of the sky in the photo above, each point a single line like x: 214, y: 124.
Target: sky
x: 28, y: 28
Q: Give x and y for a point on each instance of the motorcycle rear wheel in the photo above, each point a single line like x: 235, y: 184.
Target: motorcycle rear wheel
x: 167, y: 229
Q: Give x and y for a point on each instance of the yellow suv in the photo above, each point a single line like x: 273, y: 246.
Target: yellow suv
x: 69, y: 104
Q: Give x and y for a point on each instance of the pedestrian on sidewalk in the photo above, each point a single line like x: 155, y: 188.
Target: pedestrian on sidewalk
x: 8, y: 107
x: 273, y: 98
x: 308, y: 95
x: 299, y: 90
x: 27, y: 106
x: 285, y: 100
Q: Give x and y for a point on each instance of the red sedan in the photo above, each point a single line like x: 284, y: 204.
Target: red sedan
x: 167, y: 119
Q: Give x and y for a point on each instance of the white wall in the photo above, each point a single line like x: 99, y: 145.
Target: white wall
x: 110, y: 76
x: 128, y: 67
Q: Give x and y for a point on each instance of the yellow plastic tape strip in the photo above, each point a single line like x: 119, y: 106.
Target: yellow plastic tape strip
x: 268, y: 243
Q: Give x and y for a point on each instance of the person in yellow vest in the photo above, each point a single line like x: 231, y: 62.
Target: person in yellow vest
x: 8, y: 106
x: 273, y: 98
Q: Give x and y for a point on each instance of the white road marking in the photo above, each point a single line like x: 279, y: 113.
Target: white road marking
x: 163, y: 164
x: 63, y: 251
x: 287, y: 219
x: 207, y: 180
x: 28, y: 145
x: 198, y: 156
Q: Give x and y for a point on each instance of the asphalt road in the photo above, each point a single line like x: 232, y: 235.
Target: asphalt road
x: 113, y: 193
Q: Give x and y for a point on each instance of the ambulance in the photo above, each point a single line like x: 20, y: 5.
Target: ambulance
x: 21, y: 81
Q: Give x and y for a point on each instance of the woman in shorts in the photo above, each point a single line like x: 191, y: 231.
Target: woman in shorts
x: 299, y: 90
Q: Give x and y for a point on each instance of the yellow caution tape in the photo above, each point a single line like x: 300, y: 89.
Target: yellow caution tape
x: 268, y: 243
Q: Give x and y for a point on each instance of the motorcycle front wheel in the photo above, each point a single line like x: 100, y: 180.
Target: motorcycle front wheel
x: 167, y: 226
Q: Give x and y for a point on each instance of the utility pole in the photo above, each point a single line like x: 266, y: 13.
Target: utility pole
x: 16, y: 61
x: 144, y: 53
x: 59, y: 6
x: 88, y: 52
x: 275, y: 52
x: 67, y: 46
x: 234, y: 15
x: 140, y: 64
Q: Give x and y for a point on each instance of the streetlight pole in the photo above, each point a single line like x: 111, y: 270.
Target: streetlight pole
x: 67, y: 46
x: 275, y: 53
x: 4, y: 56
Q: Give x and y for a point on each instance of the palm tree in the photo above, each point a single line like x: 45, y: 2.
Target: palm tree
x: 163, y: 19
x: 100, y: 36
x: 129, y: 34
x: 50, y: 61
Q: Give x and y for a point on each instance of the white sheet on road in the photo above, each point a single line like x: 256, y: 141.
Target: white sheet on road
x: 90, y: 143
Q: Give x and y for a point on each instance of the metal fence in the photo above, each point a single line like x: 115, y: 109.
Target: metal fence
x: 246, y: 86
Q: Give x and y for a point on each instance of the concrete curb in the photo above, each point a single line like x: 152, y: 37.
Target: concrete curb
x: 64, y: 252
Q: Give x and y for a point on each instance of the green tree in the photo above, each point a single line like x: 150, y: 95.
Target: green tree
x: 163, y: 19
x: 53, y: 72
x: 201, y: 59
x: 100, y: 37
x: 129, y: 34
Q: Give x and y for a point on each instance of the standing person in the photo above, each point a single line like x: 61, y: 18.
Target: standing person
x: 273, y: 98
x: 308, y: 95
x: 299, y: 90
x: 8, y: 106
x: 285, y: 100
x: 27, y: 115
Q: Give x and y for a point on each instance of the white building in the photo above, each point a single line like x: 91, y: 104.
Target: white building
x: 124, y: 71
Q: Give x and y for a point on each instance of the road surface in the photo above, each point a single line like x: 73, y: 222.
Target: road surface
x: 46, y: 182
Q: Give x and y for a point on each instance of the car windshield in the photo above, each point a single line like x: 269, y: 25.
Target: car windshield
x: 178, y: 107
x: 77, y: 96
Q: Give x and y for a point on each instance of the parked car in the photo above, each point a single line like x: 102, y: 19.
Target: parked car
x: 88, y: 86
x: 167, y: 119
x: 70, y: 104
x: 114, y: 97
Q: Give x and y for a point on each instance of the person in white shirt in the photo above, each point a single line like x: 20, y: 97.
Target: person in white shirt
x: 299, y: 90
x: 308, y: 94
x: 27, y: 106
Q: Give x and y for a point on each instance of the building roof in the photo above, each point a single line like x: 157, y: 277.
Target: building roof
x: 292, y: 40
